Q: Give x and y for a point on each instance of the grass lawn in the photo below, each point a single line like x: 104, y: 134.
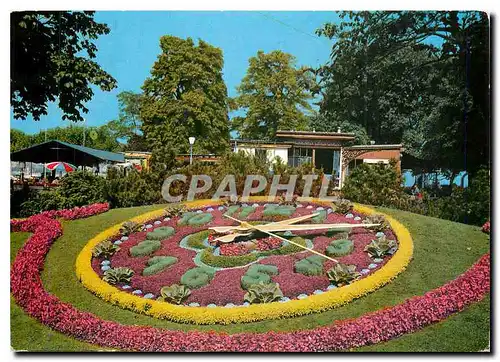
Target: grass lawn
x: 441, y: 253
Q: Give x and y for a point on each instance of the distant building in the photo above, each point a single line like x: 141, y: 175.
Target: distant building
x: 139, y: 159
x: 327, y: 150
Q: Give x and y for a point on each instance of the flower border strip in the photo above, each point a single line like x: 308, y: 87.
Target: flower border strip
x: 379, y: 326
x: 242, y: 314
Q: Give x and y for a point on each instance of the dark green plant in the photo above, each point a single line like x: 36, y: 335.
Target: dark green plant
x: 158, y: 263
x: 382, y: 222
x: 263, y: 293
x: 246, y: 211
x: 320, y: 217
x: 105, y: 249
x: 343, y: 206
x: 258, y: 273
x: 380, y: 247
x: 340, y: 247
x: 200, y: 219
x: 145, y: 247
x: 197, y: 277
x: 130, y: 227
x: 175, y: 294
x: 196, y: 240
x: 160, y: 233
x: 342, y: 274
x: 312, y: 265
x: 118, y: 275
x: 175, y: 210
x: 219, y: 261
x: 232, y: 209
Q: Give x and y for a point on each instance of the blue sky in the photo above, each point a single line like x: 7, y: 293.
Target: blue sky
x: 131, y: 48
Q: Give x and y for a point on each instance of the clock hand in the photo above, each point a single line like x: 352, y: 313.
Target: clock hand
x: 290, y: 241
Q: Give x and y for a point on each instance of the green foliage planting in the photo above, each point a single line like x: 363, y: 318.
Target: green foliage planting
x: 160, y: 233
x: 220, y: 261
x: 383, y: 224
x: 118, y: 275
x: 105, y: 249
x: 319, y: 218
x: 380, y: 247
x: 200, y: 219
x: 175, y: 210
x: 287, y: 248
x: 232, y: 209
x: 158, y: 263
x: 342, y: 274
x: 197, y: 277
x: 175, y: 294
x: 277, y: 210
x: 246, y: 211
x: 145, y: 247
x: 130, y: 227
x: 263, y: 293
x: 185, y: 217
x: 312, y: 265
x: 258, y: 273
x: 343, y: 206
x: 196, y: 240
x: 340, y: 247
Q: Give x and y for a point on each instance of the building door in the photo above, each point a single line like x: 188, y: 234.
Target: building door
x: 324, y: 159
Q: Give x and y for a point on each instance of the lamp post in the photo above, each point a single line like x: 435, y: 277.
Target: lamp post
x: 191, y: 142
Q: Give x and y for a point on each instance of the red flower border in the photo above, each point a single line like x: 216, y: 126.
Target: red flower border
x: 375, y: 327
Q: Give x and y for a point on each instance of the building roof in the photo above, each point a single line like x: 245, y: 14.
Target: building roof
x: 55, y: 150
x: 315, y: 135
x: 376, y: 147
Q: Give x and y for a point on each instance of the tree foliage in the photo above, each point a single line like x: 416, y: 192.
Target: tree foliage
x: 274, y: 95
x: 185, y: 96
x: 420, y: 78
x: 47, y: 63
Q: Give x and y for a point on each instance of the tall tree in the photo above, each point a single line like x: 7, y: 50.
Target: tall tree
x: 274, y: 95
x: 47, y: 63
x: 186, y: 96
x: 417, y: 77
x: 127, y: 127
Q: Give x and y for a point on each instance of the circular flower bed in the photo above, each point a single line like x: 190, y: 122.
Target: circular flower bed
x: 375, y: 327
x: 306, y: 282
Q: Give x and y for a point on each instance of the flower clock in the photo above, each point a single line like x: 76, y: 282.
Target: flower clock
x: 210, y: 263
x: 244, y: 262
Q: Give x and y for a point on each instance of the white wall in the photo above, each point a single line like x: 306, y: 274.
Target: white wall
x: 272, y: 153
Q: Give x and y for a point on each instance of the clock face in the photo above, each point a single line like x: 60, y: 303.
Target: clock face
x: 183, y: 250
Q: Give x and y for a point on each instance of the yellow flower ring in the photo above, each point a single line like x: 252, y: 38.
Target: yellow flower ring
x: 243, y: 314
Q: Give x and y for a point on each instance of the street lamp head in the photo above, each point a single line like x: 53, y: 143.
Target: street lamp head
x: 191, y: 140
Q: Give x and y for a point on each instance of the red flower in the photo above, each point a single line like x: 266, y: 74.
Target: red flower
x: 486, y: 227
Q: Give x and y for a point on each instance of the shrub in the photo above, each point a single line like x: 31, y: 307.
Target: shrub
x: 312, y: 265
x: 174, y: 294
x: 263, y: 293
x: 258, y: 273
x: 197, y: 277
x: 340, y: 247
x: 118, y: 275
x: 145, y: 247
x: 158, y: 263
x: 342, y: 274
x: 486, y: 227
x: 380, y: 247
x: 160, y: 233
x: 130, y: 227
x: 105, y: 249
x: 373, y: 184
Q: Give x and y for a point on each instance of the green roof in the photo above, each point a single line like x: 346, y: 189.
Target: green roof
x: 55, y: 150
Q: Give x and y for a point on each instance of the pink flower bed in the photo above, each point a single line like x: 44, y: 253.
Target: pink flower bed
x: 486, y: 227
x: 382, y: 325
x: 225, y: 286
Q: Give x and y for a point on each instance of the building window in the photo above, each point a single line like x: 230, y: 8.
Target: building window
x: 299, y: 155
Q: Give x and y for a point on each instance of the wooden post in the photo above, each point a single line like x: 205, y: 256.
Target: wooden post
x: 313, y: 157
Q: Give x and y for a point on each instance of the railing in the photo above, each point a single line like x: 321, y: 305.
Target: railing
x: 298, y: 160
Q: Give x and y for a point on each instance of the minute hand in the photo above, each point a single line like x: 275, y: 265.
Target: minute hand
x: 312, y: 227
